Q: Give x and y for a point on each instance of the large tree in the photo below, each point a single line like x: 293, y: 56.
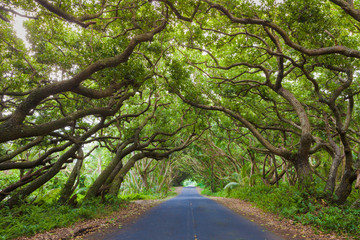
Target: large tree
x: 285, y: 73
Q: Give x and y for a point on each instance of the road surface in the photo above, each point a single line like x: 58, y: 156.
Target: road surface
x: 190, y: 216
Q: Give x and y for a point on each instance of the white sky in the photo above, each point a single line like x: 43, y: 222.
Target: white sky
x: 20, y: 30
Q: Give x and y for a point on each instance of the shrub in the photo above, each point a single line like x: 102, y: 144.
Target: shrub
x: 30, y: 219
x: 306, y: 208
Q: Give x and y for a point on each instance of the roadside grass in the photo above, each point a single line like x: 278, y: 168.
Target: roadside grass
x: 148, y: 195
x: 308, y: 209
x: 27, y: 220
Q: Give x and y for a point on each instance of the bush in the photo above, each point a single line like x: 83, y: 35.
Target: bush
x: 207, y: 191
x: 303, y: 207
x: 135, y: 196
x: 30, y: 219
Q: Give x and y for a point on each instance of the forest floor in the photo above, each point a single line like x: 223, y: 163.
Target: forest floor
x: 286, y: 228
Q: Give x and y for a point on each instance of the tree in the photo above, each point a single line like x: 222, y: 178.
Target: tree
x: 144, y: 79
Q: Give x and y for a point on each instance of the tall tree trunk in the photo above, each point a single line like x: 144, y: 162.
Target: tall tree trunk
x: 119, y: 178
x: 252, y: 181
x: 302, y: 164
x: 212, y: 183
x: 166, y: 178
x: 276, y: 176
x: 144, y: 180
x: 113, y: 174
x: 344, y: 188
x: 303, y: 171
x: 101, y: 179
x: 301, y: 160
x: 98, y: 169
x: 337, y: 156
x: 105, y: 174
x: 331, y: 181
x: 69, y: 188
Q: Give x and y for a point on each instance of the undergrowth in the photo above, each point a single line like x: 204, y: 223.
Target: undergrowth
x: 30, y: 219
x: 27, y: 220
x: 290, y: 202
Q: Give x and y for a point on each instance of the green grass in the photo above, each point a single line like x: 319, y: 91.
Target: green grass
x: 147, y: 195
x: 30, y: 219
x: 302, y: 207
x: 140, y: 196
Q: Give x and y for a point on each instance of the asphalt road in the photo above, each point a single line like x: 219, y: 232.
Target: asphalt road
x: 189, y: 216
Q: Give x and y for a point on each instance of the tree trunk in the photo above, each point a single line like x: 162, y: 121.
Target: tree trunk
x: 116, y: 183
x: 69, y: 188
x: 212, y: 183
x: 331, y: 181
x: 103, y: 177
x: 145, y: 183
x: 165, y: 169
x: 337, y: 156
x: 303, y: 171
x: 301, y: 160
x: 343, y: 190
x: 252, y: 181
x: 357, y: 184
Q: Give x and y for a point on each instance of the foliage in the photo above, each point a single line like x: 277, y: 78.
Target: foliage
x: 31, y: 219
x: 128, y: 97
x: 143, y: 196
x: 289, y: 202
x: 8, y: 177
x: 26, y: 220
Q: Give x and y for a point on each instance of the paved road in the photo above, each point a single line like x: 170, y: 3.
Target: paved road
x: 190, y: 216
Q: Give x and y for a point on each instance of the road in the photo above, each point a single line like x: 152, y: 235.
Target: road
x: 190, y: 216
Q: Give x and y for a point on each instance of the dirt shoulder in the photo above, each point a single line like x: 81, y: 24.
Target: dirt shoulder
x: 286, y: 228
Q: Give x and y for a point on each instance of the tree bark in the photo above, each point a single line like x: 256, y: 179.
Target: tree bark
x: 331, y: 181
x: 101, y: 179
x: 302, y: 165
x: 337, y: 156
x: 345, y: 186
x: 119, y: 178
x: 68, y: 189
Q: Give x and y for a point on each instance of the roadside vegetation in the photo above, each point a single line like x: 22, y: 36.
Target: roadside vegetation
x: 44, y: 212
x: 27, y: 220
x: 302, y: 207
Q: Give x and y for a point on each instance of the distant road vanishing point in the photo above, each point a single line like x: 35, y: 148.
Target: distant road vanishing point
x: 190, y: 216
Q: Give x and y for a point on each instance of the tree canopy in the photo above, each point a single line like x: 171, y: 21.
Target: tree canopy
x: 259, y: 88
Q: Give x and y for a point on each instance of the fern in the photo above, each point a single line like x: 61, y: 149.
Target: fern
x: 232, y: 185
